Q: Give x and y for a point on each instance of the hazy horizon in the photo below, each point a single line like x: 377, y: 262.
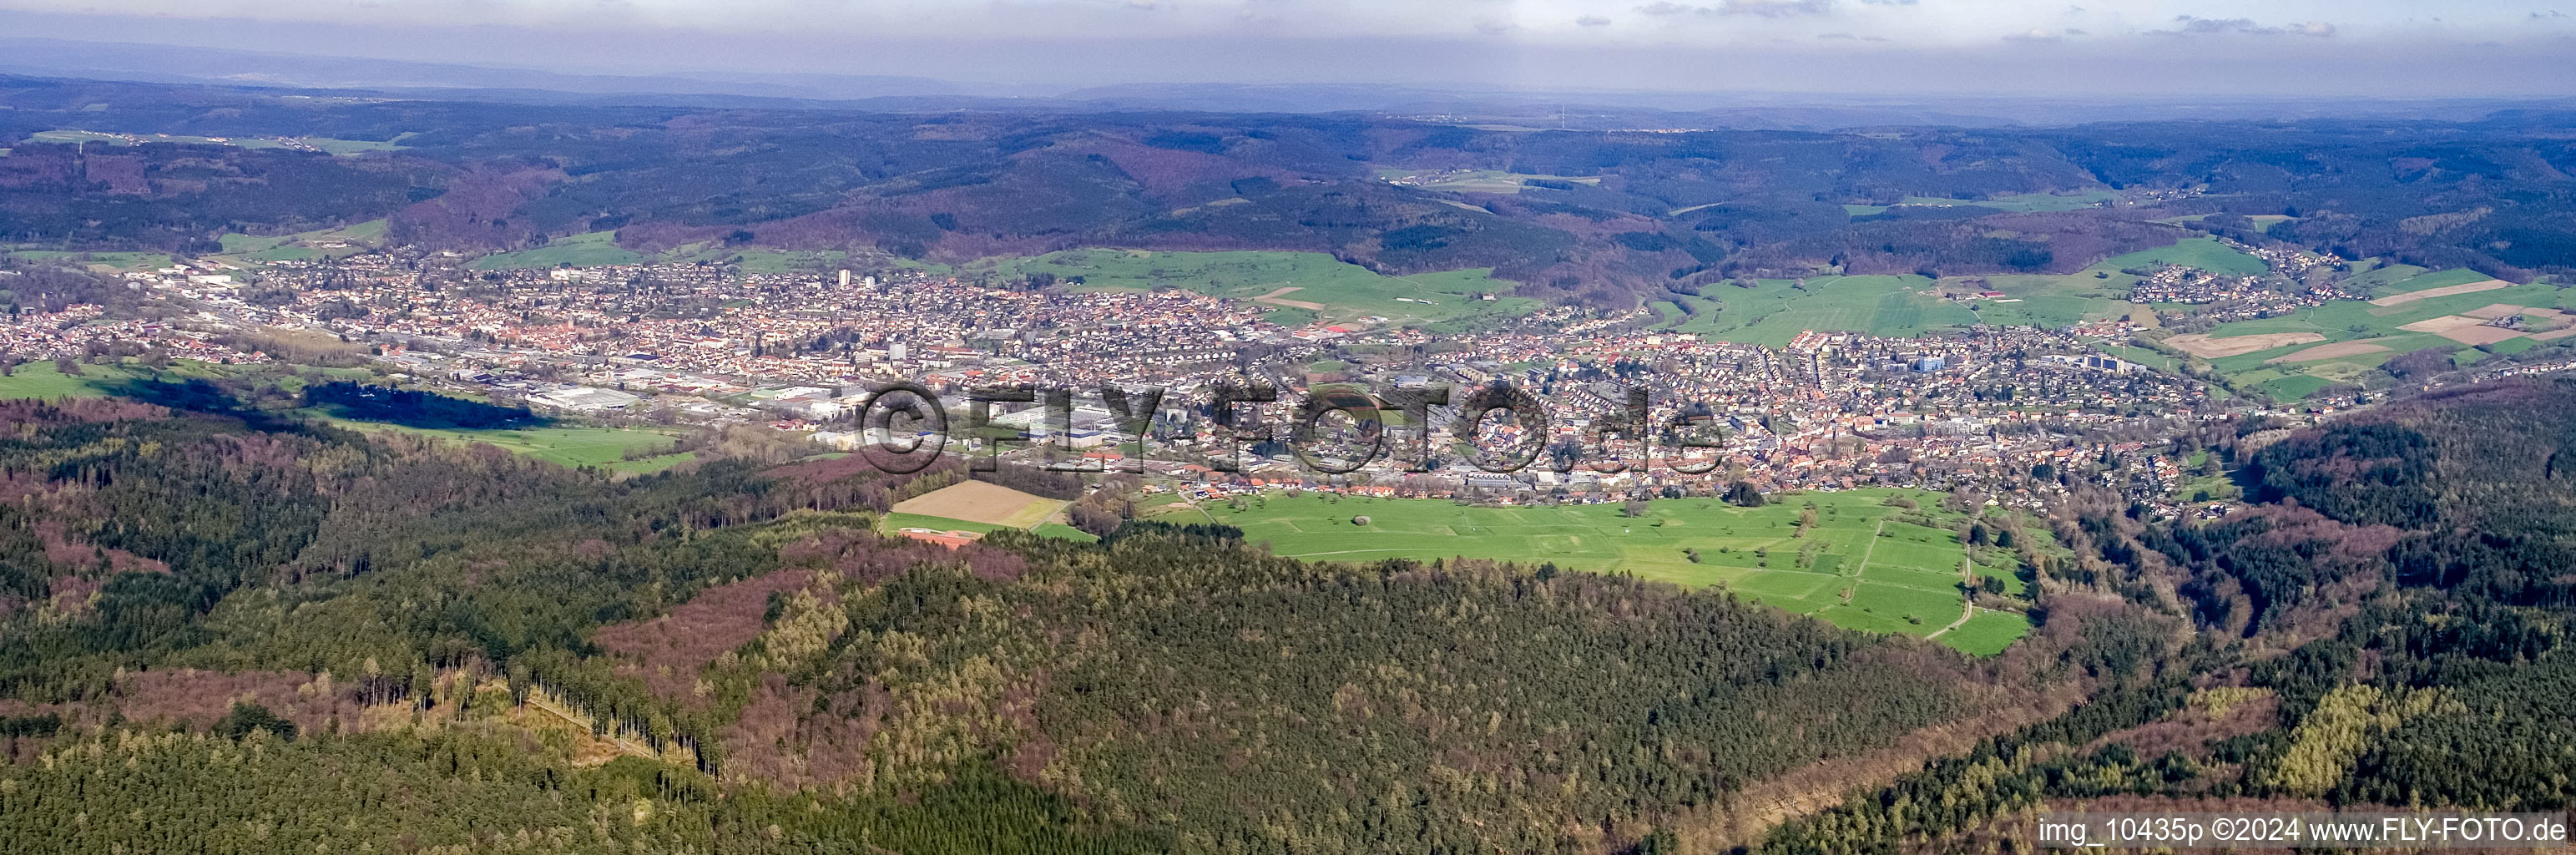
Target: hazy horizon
x: 2287, y: 50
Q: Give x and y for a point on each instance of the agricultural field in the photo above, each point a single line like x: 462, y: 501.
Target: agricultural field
x: 326, y: 144
x: 578, y: 250
x: 2293, y: 356
x: 1299, y: 287
x: 980, y: 506
x: 983, y: 502
x: 68, y: 136
x: 1471, y: 180
x: 1865, y: 564
x: 2430, y: 285
x: 1776, y: 310
x: 2013, y: 202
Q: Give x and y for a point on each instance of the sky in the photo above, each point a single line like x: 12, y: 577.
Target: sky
x: 2060, y: 47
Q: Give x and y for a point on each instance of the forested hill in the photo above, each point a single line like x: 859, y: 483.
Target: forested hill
x: 228, y: 638
x: 2390, y: 630
x: 1607, y: 215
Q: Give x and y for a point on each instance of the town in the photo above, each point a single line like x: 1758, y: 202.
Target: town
x: 2004, y: 410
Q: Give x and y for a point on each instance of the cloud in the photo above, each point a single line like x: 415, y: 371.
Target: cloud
x: 1592, y: 21
x: 1751, y: 8
x: 2192, y: 26
x: 1775, y: 8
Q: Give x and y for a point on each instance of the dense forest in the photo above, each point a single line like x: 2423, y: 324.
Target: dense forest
x: 1608, y: 216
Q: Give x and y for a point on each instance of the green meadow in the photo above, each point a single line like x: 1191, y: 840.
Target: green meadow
x: 2425, y: 281
x: 247, y: 250
x: 757, y: 259
x: 589, y: 248
x: 1864, y: 564
x: 1988, y: 633
x: 1345, y: 291
x: 2204, y: 253
x: 564, y: 445
x: 2098, y: 291
x: 40, y: 380
x: 1776, y: 310
x: 117, y: 261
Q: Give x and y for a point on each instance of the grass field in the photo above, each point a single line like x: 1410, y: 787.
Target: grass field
x: 2204, y: 253
x: 40, y: 380
x: 1988, y: 633
x: 756, y: 259
x: 578, y: 250
x: 568, y: 446
x: 2373, y: 278
x: 120, y: 261
x: 246, y: 250
x: 1859, y: 566
x: 1343, y: 291
x: 2425, y: 281
x: 1776, y: 310
x: 2043, y: 300
x: 1473, y: 180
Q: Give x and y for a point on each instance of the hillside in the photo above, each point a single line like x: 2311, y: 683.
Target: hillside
x: 1608, y: 216
x: 732, y: 655
x: 2388, y: 631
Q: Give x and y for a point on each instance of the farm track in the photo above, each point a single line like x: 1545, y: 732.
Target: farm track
x: 1865, y: 553
x: 1968, y: 574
